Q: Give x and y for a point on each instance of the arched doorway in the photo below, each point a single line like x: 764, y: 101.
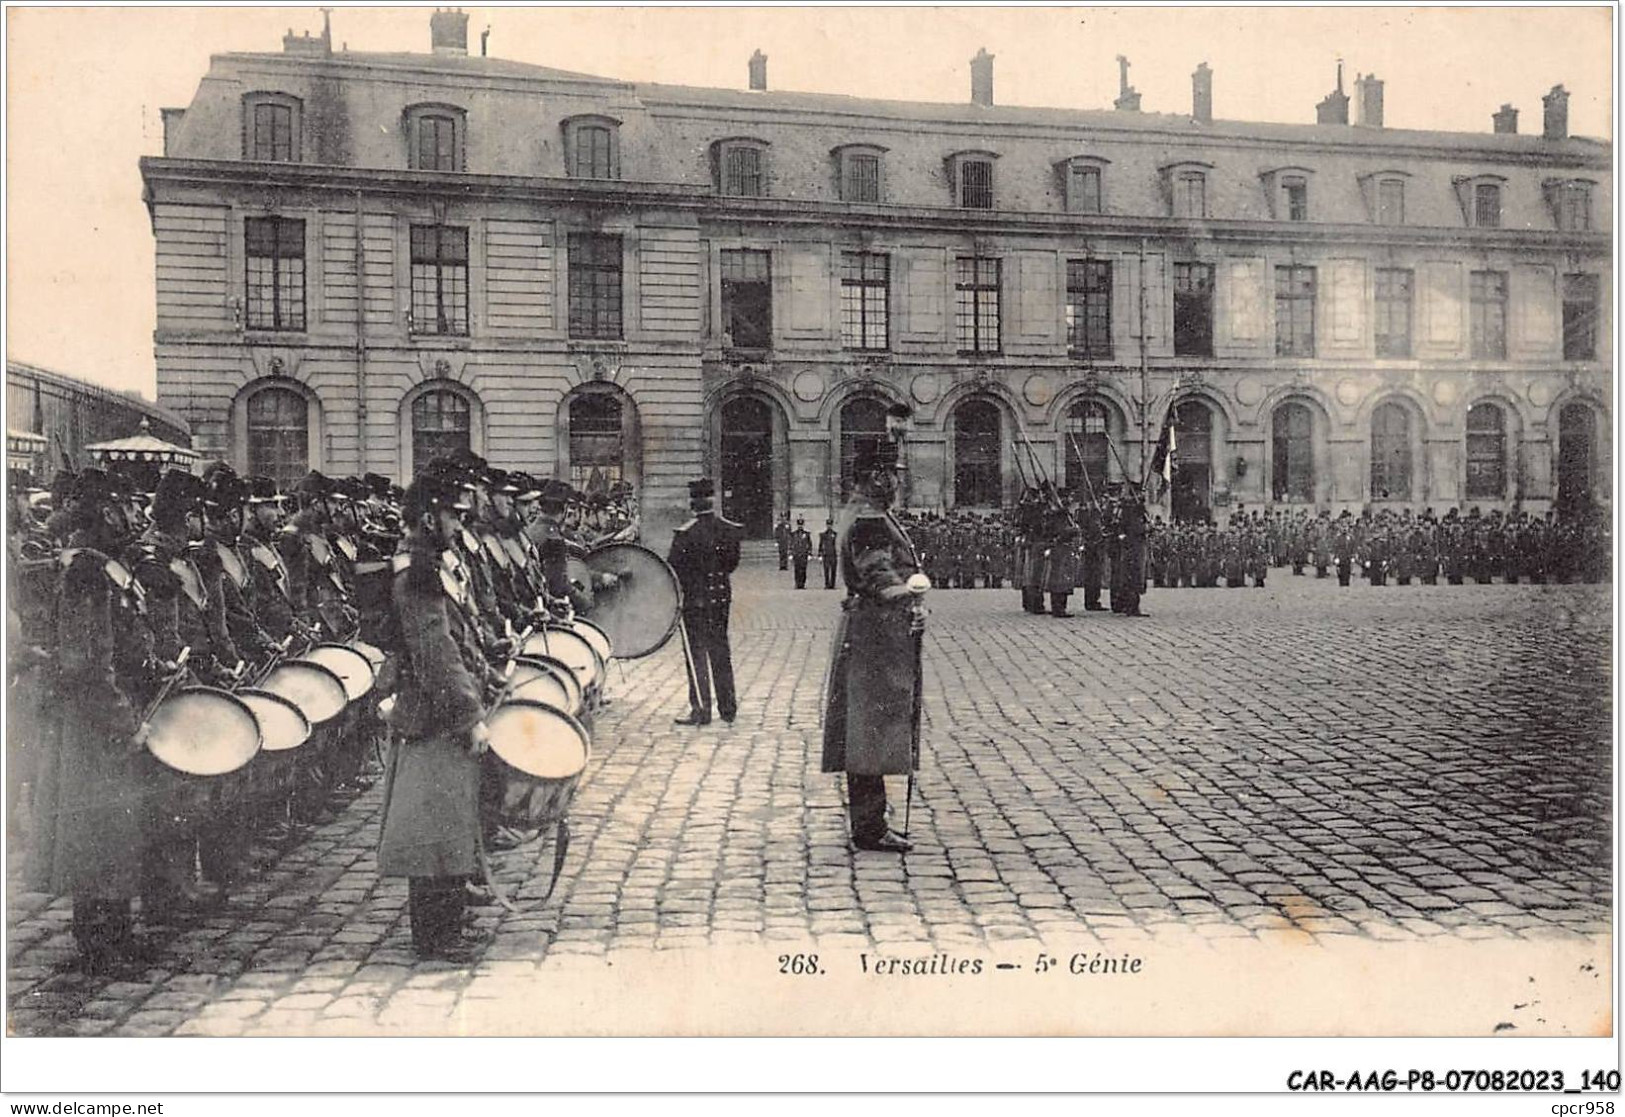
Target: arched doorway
x: 978, y: 481
x: 601, y: 440
x: 278, y: 435
x: 863, y: 428
x: 1486, y: 452
x: 1391, y: 461
x: 1576, y: 455
x: 1088, y: 456
x: 747, y: 464
x: 441, y: 426
x: 1292, y: 462
x: 1193, y: 462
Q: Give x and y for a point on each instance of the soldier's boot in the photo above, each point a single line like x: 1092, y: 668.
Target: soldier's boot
x: 1057, y: 605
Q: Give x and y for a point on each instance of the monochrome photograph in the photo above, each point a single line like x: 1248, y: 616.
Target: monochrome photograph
x: 724, y: 522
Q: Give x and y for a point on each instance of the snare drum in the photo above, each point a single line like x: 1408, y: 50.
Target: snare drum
x: 541, y: 752
x: 316, y: 690
x: 528, y: 669
x: 565, y: 643
x: 353, y: 668
x: 597, y: 637
x: 283, y: 728
x: 202, y: 738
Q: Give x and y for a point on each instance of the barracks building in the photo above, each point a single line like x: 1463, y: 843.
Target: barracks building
x: 366, y: 259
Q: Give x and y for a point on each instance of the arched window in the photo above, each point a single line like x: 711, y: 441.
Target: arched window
x: 863, y: 427
x: 1293, y: 461
x: 592, y: 147
x: 1576, y: 441
x: 977, y: 442
x: 597, y: 441
x: 1391, y: 453
x: 442, y: 424
x: 278, y: 429
x: 271, y: 127
x: 1486, y: 452
x: 1087, y: 452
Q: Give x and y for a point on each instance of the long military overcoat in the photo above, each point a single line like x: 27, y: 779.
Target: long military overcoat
x: 872, y: 695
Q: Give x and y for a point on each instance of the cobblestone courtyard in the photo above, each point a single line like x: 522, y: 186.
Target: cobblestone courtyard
x: 1397, y: 763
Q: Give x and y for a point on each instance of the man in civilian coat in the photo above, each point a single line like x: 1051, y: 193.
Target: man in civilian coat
x: 872, y: 701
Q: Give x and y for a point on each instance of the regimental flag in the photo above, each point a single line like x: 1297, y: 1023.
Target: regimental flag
x: 1162, y: 461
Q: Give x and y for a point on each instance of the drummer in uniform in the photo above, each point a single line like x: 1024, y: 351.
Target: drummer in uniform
x: 704, y: 554
x: 90, y: 809
x: 872, y: 706
x: 431, y: 817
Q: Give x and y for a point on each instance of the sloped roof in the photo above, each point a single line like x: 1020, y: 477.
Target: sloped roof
x: 142, y: 446
x: 448, y: 63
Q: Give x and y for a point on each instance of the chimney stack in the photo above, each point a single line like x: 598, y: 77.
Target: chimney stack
x: 485, y: 38
x: 1368, y: 101
x: 1506, y: 121
x: 1202, y: 94
x: 448, y: 31
x: 1557, y: 113
x: 1334, y: 109
x: 981, y: 78
x: 758, y: 71
x: 1128, y: 98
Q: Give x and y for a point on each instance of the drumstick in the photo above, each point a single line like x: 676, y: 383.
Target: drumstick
x: 169, y: 685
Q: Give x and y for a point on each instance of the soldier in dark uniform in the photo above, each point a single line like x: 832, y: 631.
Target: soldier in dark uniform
x: 829, y: 552
x: 800, y: 551
x: 781, y: 536
x: 1133, y: 529
x: 431, y: 817
x: 1092, y: 555
x: 1061, y: 562
x: 872, y: 706
x: 1344, y: 546
x: 90, y: 812
x: 704, y: 554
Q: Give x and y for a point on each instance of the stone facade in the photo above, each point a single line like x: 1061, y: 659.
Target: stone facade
x: 729, y: 352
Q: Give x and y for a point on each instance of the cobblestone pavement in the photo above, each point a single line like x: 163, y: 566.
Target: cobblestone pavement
x: 1396, y: 763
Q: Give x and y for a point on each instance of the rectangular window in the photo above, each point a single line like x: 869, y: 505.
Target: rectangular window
x: 747, y: 299
x: 1391, y: 202
x: 274, y: 248
x: 439, y: 280
x: 865, y: 300
x: 273, y: 133
x: 1581, y: 299
x: 1190, y: 194
x: 1487, y: 205
x: 437, y: 143
x: 1294, y: 312
x: 976, y: 184
x: 1393, y: 311
x: 1083, y: 190
x: 742, y: 172
x: 1574, y: 207
x: 1295, y: 198
x: 976, y: 307
x: 1193, y: 310
x: 861, y: 182
x: 1089, y: 308
x: 1487, y: 306
x: 595, y: 285
x: 593, y: 153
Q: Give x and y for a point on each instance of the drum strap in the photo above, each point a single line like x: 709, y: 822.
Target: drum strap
x: 488, y: 877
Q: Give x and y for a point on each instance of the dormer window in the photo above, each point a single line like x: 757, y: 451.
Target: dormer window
x: 1184, y: 188
x: 271, y: 123
x: 1480, y: 199
x: 740, y: 167
x: 970, y: 173
x: 592, y: 147
x: 1384, y: 195
x: 1081, y: 179
x: 1569, y: 201
x: 859, y: 168
x: 1286, y: 191
x: 435, y: 137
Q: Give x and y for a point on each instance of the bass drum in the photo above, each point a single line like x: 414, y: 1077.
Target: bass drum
x: 203, y: 732
x: 315, y: 689
x: 638, y: 612
x: 353, y: 668
x: 564, y: 643
x: 542, y: 752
